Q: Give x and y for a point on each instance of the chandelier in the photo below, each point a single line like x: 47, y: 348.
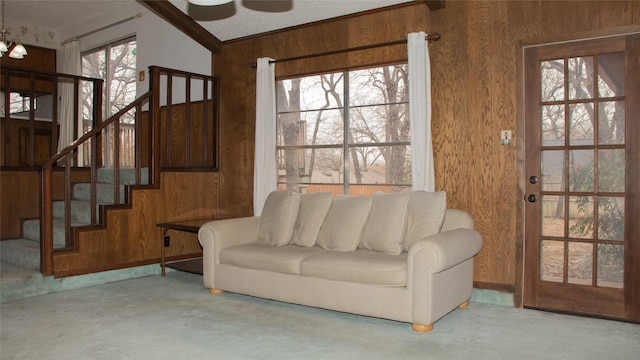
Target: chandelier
x: 18, y: 51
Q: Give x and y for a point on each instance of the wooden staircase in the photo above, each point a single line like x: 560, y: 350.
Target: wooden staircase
x: 25, y: 252
x: 109, y: 222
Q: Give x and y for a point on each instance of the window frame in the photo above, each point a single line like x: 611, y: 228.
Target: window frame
x: 346, y: 146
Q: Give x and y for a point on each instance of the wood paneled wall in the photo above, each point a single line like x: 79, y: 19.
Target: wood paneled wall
x: 19, y: 138
x: 40, y: 59
x: 132, y: 237
x: 474, y: 95
x: 20, y: 196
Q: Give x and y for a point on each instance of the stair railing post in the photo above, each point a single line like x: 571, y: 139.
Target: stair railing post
x: 68, y: 160
x: 116, y: 162
x: 7, y: 118
x: 46, y: 228
x: 154, y: 109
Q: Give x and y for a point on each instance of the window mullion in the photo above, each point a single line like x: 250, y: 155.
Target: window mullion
x: 345, y: 134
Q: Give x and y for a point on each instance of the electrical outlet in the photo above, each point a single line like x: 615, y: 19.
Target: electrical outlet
x: 505, y: 137
x: 141, y: 75
x: 167, y: 241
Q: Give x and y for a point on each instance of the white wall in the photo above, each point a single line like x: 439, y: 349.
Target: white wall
x: 158, y: 43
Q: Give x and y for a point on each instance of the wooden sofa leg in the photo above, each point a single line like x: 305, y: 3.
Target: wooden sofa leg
x: 422, y: 328
x: 216, y: 291
x: 464, y: 305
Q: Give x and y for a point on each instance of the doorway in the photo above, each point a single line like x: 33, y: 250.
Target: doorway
x: 582, y: 206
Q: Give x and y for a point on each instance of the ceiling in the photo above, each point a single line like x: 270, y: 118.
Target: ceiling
x: 237, y: 19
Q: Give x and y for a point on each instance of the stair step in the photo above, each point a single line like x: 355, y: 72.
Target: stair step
x: 104, y: 192
x: 127, y: 176
x: 80, y: 211
x: 31, y: 231
x: 25, y: 252
x: 21, y: 252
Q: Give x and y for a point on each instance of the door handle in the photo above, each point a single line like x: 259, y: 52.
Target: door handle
x: 532, y: 198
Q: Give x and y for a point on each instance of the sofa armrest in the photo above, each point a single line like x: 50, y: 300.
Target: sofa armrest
x: 220, y: 234
x: 440, y: 273
x: 445, y: 249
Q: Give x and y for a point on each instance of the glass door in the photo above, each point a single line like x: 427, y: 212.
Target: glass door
x: 581, y: 217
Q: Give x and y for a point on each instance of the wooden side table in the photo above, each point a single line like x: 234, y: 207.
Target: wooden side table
x: 190, y: 226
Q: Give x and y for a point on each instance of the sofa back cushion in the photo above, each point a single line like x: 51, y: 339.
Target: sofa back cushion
x: 343, y: 225
x: 385, y: 227
x: 426, y: 215
x: 313, y: 209
x: 278, y: 217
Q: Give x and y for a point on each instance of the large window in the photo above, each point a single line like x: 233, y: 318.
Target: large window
x: 115, y: 63
x: 345, y: 132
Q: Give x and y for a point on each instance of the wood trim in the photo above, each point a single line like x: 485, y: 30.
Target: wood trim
x: 435, y: 4
x: 493, y: 286
x: 631, y: 268
x: 95, y: 269
x: 518, y: 296
x: 581, y: 36
x: 184, y: 23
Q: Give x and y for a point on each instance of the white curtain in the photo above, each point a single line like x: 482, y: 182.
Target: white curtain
x: 265, y: 174
x: 422, y: 170
x: 72, y: 66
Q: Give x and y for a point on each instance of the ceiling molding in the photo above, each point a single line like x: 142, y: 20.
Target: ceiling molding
x: 184, y: 23
x: 435, y: 4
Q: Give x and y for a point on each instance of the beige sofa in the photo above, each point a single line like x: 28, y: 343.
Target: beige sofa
x: 401, y: 256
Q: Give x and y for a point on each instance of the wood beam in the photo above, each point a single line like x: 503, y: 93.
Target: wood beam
x: 184, y: 23
x: 435, y: 4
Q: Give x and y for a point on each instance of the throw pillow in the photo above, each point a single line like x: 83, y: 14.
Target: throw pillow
x: 384, y: 230
x: 343, y: 225
x: 425, y: 216
x: 278, y: 217
x: 313, y: 209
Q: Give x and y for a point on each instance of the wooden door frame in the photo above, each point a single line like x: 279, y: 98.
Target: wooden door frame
x: 520, y: 135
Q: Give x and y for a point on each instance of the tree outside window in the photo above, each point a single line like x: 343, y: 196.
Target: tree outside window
x: 345, y: 132
x: 115, y: 63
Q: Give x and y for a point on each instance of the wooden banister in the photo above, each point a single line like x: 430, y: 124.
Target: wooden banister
x: 155, y: 156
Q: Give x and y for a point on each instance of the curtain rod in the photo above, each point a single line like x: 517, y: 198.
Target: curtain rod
x: 138, y: 15
x: 429, y: 37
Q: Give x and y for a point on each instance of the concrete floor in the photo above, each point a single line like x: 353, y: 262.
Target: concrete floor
x: 174, y: 317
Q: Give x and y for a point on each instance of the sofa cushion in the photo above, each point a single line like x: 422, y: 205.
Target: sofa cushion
x: 313, y: 209
x: 278, y: 217
x: 343, y: 225
x: 425, y: 216
x: 385, y: 226
x: 360, y: 266
x: 263, y: 256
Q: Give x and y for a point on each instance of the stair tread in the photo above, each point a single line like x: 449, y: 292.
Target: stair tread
x: 22, y: 252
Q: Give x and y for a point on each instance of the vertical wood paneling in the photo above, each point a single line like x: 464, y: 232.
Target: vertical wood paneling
x: 132, y: 237
x: 484, y: 124
x: 474, y: 88
x: 588, y: 16
x: 560, y: 17
x: 450, y: 103
x: 616, y: 13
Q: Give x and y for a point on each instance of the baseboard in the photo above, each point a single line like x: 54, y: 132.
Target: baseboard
x: 37, y: 284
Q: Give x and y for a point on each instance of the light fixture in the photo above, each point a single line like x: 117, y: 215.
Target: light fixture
x: 209, y: 2
x: 18, y: 51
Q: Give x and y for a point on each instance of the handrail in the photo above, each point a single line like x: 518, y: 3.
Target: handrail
x: 95, y: 131
x: 46, y: 245
x: 206, y: 122
x: 35, y: 80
